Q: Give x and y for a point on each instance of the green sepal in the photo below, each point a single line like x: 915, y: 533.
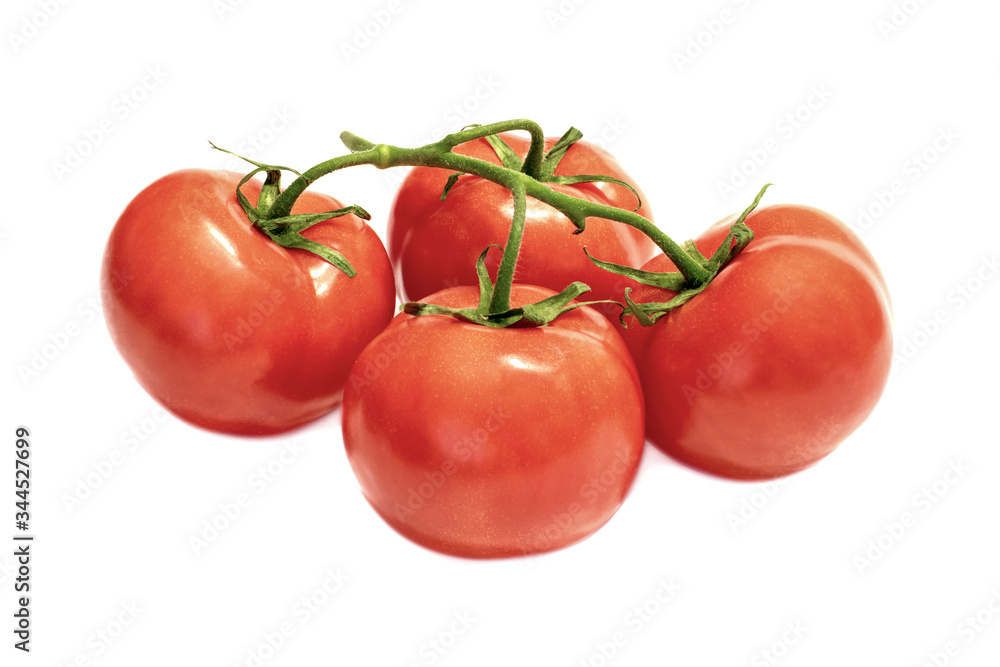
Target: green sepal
x: 673, y: 280
x: 595, y: 178
x: 691, y: 249
x: 546, y: 310
x: 449, y: 184
x: 634, y: 309
x: 285, y: 231
x: 483, y: 275
x: 558, y: 150
x: 418, y: 308
x: 301, y: 221
x: 540, y: 313
x: 508, y: 157
x: 288, y: 238
x: 267, y: 192
x: 556, y: 153
x: 647, y: 314
x: 543, y: 312
x: 738, y: 237
x: 477, y: 315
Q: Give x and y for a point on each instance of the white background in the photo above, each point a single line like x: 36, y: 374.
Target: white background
x: 821, y: 570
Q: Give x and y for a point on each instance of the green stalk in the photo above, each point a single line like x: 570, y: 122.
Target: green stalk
x: 440, y: 155
x: 500, y: 301
x: 578, y: 210
x: 531, y: 177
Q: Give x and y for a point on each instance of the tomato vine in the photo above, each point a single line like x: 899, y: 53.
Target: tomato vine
x: 528, y: 179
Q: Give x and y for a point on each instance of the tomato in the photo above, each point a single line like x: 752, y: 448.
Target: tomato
x: 226, y: 329
x: 778, y: 360
x: 434, y: 244
x: 483, y: 442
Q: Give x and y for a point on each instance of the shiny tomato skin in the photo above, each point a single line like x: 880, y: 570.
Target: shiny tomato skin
x: 224, y: 328
x: 434, y: 244
x: 781, y: 357
x: 488, y: 443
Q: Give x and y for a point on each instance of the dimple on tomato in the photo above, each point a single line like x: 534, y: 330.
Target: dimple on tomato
x: 483, y: 442
x: 226, y: 329
x: 782, y: 356
x: 433, y: 244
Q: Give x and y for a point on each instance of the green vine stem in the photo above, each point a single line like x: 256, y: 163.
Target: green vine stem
x: 528, y: 181
x: 500, y: 300
x: 440, y: 155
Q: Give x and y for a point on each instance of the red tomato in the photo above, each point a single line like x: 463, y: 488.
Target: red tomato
x: 482, y: 442
x: 781, y: 357
x: 434, y: 244
x: 223, y: 327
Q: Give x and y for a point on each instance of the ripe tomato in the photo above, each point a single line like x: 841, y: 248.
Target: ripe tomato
x: 778, y: 360
x: 434, y: 244
x: 223, y: 327
x: 483, y: 442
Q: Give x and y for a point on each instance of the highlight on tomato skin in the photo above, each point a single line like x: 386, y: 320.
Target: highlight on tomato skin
x: 781, y: 358
x: 491, y: 443
x: 227, y: 330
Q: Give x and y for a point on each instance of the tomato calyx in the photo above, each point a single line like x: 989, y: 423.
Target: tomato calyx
x: 286, y: 229
x: 540, y: 313
x: 647, y: 314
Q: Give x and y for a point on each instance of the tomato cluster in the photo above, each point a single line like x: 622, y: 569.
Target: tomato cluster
x: 498, y: 417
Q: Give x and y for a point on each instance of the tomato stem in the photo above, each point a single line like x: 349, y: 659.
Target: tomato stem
x: 500, y: 301
x: 440, y: 155
x: 578, y: 210
x: 530, y: 178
